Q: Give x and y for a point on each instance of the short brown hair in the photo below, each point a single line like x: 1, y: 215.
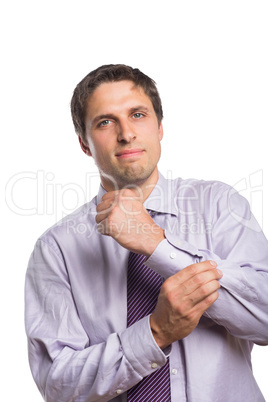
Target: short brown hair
x: 110, y: 73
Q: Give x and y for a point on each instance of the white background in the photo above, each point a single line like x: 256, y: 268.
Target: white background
x: 209, y: 59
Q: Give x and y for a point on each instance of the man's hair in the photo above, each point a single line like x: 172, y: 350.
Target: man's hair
x: 105, y: 74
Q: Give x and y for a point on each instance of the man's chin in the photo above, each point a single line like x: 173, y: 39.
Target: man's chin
x: 129, y: 177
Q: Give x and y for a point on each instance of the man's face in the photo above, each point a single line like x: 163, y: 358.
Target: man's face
x: 123, y: 135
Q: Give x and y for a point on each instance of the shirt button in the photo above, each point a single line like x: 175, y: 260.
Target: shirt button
x: 154, y: 365
x: 119, y: 391
x: 174, y: 371
x: 172, y: 255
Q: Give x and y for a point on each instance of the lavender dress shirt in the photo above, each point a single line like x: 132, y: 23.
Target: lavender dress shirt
x: 76, y: 310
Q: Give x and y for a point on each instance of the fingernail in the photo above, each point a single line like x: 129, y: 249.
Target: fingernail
x: 213, y: 263
x: 220, y: 272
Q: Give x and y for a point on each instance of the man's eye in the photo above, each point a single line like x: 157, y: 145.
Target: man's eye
x: 104, y: 123
x: 137, y: 115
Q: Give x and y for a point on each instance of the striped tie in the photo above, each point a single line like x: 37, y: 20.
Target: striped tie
x: 143, y: 287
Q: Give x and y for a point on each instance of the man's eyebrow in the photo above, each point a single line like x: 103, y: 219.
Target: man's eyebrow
x: 102, y: 117
x: 139, y: 107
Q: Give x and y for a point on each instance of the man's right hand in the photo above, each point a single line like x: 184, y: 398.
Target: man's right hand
x: 183, y: 298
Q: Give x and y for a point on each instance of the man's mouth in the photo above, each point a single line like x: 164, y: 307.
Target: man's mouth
x: 129, y: 153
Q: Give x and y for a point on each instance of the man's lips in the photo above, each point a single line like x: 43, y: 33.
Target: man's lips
x: 128, y: 153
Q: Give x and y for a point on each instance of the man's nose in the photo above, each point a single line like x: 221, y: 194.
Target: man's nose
x: 125, y: 132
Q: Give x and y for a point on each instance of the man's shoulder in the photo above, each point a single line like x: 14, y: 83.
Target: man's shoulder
x: 199, y: 186
x: 84, y: 216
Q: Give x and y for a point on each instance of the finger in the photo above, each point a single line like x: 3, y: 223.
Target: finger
x: 102, y: 214
x: 113, y: 198
x: 106, y: 204
x: 100, y: 217
x: 195, y: 269
x: 204, y: 291
x: 200, y: 280
x: 110, y: 195
x: 198, y: 302
x: 105, y: 207
x: 109, y: 229
x: 124, y: 193
x: 126, y: 206
x: 102, y: 227
x: 207, y: 302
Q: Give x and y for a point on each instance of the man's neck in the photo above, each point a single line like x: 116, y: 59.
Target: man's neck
x: 142, y: 188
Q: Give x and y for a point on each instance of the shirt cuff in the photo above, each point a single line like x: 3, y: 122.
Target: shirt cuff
x: 141, y: 349
x: 171, y: 255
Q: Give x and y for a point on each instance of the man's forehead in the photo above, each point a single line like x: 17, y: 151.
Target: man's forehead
x: 118, y: 86
x: 117, y: 93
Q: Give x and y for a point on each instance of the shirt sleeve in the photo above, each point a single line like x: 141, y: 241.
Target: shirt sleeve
x: 64, y: 363
x: 240, y: 249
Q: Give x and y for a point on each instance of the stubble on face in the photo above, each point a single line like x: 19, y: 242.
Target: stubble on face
x: 132, y: 175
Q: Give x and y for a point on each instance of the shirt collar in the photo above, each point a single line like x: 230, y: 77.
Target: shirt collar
x: 161, y: 198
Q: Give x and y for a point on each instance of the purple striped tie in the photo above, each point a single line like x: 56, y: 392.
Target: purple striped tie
x: 143, y: 287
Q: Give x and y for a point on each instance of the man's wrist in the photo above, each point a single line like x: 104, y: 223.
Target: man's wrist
x: 161, y: 342
x: 152, y: 243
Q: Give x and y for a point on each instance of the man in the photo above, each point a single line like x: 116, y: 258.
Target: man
x: 199, y: 241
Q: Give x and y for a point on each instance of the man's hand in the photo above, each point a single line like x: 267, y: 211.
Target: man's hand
x: 121, y: 215
x: 183, y: 298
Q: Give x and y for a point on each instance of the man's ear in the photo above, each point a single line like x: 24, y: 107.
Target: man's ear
x: 161, y: 131
x: 84, y: 147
